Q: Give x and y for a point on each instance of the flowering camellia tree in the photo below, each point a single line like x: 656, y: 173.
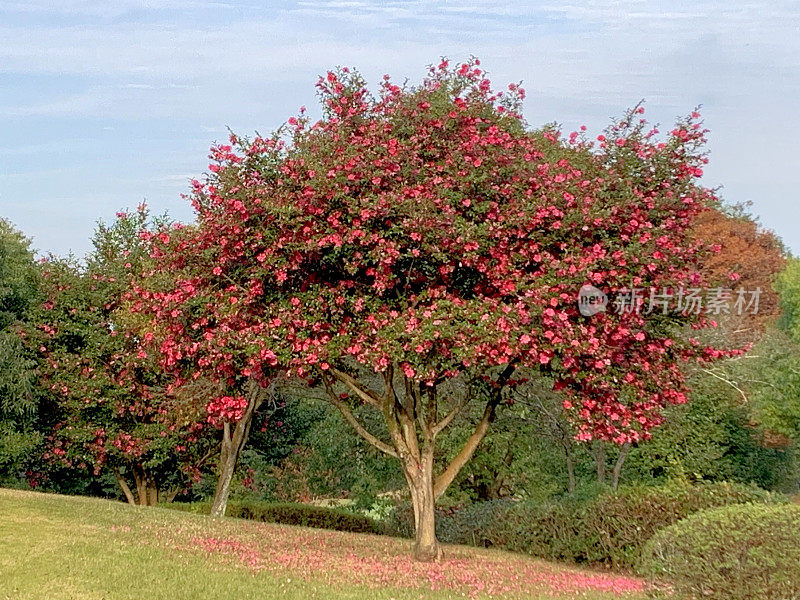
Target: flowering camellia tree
x: 110, y: 403
x: 197, y: 320
x: 422, y: 249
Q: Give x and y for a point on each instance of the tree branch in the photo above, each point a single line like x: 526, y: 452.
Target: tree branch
x: 446, y: 477
x: 450, y: 416
x: 124, y: 486
x: 623, y: 452
x: 205, y: 457
x: 730, y: 383
x: 449, y: 474
x: 365, y: 394
x: 351, y: 419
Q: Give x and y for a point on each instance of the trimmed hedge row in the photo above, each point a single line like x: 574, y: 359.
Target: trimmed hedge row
x: 730, y: 553
x: 609, y: 529
x: 304, y: 515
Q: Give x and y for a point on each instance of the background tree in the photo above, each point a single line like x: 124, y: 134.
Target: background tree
x: 718, y: 436
x: 789, y: 286
x: 19, y: 431
x: 114, y: 412
x: 772, y: 376
x: 187, y: 311
x: 744, y: 255
x: 529, y: 452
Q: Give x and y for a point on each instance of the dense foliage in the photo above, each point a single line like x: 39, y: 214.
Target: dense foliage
x: 287, y: 513
x: 110, y: 408
x: 731, y: 553
x: 607, y: 529
x: 20, y: 421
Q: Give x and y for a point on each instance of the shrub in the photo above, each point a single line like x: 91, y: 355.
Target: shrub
x: 730, y: 553
x: 619, y: 524
x: 457, y: 523
x: 304, y: 515
x: 608, y: 529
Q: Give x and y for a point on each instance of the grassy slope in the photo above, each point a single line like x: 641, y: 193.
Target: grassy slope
x: 63, y: 548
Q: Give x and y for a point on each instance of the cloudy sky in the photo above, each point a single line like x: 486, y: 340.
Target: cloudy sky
x: 106, y: 103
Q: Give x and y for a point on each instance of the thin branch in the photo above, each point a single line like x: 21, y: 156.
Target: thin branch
x: 730, y: 383
x: 365, y: 394
x: 205, y: 457
x: 450, y: 416
x: 351, y: 419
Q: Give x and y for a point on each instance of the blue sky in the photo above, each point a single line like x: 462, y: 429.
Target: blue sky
x: 104, y: 104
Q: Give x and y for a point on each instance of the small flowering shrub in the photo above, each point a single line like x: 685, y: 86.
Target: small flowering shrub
x: 609, y: 529
x: 731, y: 553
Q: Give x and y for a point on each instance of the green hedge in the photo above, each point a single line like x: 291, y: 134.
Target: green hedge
x: 730, y: 553
x: 304, y: 515
x: 608, y: 529
x: 621, y: 523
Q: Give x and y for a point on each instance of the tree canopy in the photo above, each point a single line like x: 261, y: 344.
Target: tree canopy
x: 423, y: 248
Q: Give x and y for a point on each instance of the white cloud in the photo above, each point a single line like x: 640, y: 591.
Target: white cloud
x: 105, y: 9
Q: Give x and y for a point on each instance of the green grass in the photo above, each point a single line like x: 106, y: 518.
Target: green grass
x: 64, y: 548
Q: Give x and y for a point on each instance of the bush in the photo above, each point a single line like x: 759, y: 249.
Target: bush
x: 304, y: 515
x: 468, y: 524
x: 730, y: 553
x: 608, y: 529
x: 619, y: 524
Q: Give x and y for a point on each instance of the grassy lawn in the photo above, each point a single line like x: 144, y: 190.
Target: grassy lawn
x: 63, y: 548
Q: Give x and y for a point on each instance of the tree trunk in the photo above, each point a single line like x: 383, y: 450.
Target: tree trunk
x: 408, y: 418
x: 140, y: 477
x: 124, y: 487
x: 623, y: 453
x: 152, y: 493
x: 227, y: 466
x: 423, y: 501
x: 146, y: 488
x: 232, y: 444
